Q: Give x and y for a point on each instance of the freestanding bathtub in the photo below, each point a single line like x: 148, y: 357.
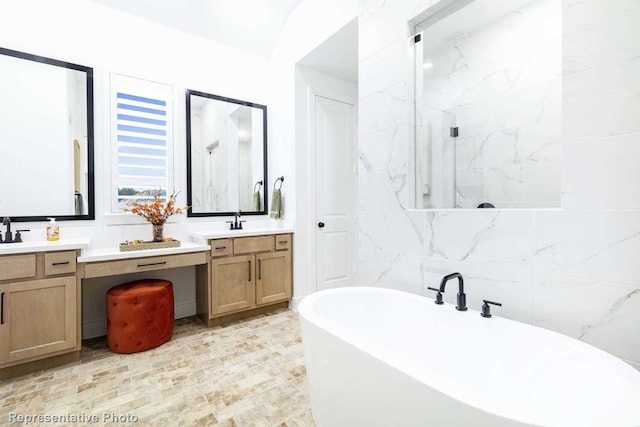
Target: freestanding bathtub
x: 380, y: 357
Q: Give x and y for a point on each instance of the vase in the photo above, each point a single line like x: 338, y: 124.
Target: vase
x: 158, y: 232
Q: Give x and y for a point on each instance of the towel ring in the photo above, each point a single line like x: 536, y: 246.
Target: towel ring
x: 257, y: 184
x: 281, y: 179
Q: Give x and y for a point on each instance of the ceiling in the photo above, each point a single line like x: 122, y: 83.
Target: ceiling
x: 251, y: 25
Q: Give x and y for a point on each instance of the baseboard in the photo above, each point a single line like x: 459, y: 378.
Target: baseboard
x: 98, y: 327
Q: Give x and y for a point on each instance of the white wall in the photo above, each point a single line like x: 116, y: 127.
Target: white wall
x: 574, y: 269
x: 86, y: 33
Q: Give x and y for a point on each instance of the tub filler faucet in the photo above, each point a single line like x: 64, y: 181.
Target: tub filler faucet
x: 461, y: 297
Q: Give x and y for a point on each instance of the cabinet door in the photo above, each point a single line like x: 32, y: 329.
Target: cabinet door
x: 232, y: 284
x: 4, y: 323
x: 273, y: 277
x: 40, y: 318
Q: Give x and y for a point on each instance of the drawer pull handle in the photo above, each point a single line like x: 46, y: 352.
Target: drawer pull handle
x: 282, y: 242
x: 152, y: 263
x: 2, y: 309
x: 249, y: 270
x: 60, y: 263
x: 220, y: 248
x: 259, y: 269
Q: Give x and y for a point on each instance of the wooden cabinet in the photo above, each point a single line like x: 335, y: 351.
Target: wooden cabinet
x: 232, y: 282
x: 39, y: 310
x: 246, y: 275
x: 273, y: 277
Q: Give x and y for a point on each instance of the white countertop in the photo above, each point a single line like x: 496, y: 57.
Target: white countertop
x: 204, y: 235
x: 114, y: 253
x: 41, y: 246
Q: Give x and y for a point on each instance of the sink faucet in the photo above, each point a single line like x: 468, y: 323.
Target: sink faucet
x: 8, y: 237
x: 461, y: 298
x: 236, y: 224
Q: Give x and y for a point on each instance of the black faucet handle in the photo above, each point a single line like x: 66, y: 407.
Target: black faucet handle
x: 438, y: 295
x: 18, y: 237
x: 240, y: 224
x: 486, y: 310
x: 232, y: 225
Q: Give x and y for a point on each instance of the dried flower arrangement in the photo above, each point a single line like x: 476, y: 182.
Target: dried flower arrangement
x: 155, y: 212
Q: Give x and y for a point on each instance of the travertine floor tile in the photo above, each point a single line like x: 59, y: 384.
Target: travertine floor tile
x: 250, y: 373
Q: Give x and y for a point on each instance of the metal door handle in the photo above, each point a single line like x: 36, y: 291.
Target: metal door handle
x: 259, y: 269
x: 321, y: 225
x: 2, y: 309
x: 249, y: 270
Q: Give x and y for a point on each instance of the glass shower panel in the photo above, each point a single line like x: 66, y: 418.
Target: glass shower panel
x: 488, y: 96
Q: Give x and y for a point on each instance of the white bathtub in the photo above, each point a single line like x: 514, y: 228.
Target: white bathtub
x: 380, y: 357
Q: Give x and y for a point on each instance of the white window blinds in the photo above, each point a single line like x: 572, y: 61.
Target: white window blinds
x: 141, y: 139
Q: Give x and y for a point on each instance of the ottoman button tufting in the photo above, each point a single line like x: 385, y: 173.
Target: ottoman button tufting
x: 134, y: 322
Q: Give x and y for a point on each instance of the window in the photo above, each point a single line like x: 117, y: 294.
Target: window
x: 141, y: 140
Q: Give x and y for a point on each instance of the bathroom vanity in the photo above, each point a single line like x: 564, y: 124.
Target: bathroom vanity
x: 239, y: 273
x: 39, y: 305
x: 249, y: 272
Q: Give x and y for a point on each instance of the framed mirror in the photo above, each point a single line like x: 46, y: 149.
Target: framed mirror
x: 226, y: 156
x: 46, y: 138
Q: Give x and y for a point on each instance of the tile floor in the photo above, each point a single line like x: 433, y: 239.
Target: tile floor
x: 249, y: 373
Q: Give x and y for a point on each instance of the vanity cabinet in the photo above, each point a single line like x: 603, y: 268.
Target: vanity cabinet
x: 246, y: 275
x: 39, y: 296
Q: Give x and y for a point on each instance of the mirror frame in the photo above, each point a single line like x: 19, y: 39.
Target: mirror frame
x: 90, y: 136
x: 265, y: 208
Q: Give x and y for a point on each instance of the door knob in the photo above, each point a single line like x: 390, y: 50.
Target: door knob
x: 321, y: 225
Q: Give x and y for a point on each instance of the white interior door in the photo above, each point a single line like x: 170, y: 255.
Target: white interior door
x: 335, y: 193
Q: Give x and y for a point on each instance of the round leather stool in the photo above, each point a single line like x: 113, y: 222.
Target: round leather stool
x: 139, y: 315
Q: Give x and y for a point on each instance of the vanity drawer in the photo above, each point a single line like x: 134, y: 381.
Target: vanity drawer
x: 110, y: 268
x: 283, y: 242
x: 17, y: 266
x: 59, y: 263
x: 245, y: 245
x: 221, y: 247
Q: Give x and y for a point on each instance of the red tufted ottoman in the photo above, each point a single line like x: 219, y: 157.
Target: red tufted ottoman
x: 139, y: 315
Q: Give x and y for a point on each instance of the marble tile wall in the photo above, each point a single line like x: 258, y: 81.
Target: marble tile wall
x: 574, y: 270
x: 502, y: 85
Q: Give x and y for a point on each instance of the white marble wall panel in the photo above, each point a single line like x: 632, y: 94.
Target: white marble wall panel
x: 511, y: 288
x: 385, y: 108
x: 383, y: 190
x: 602, y: 102
x: 597, y: 34
x: 538, y: 103
x: 382, y: 22
x: 392, y: 270
x: 489, y: 237
x: 389, y: 66
x: 601, y: 246
x: 588, y: 181
x: 393, y: 231
x: 385, y: 149
x: 600, y: 313
x: 575, y: 272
